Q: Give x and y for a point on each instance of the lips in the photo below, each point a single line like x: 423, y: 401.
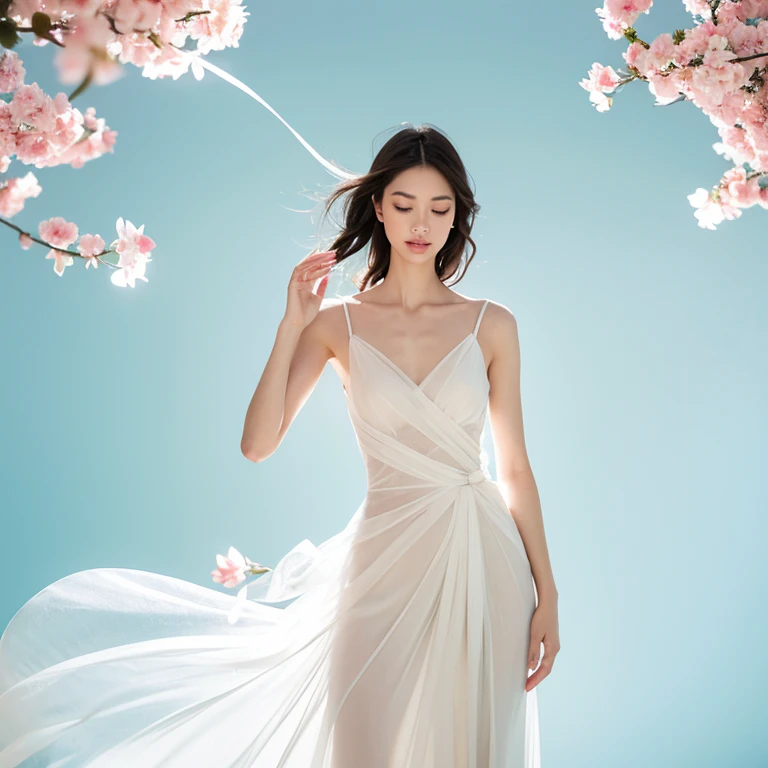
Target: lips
x: 417, y: 242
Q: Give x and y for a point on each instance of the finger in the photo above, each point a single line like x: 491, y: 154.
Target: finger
x: 543, y: 671
x: 313, y: 266
x: 302, y: 269
x: 313, y: 273
x: 534, y: 652
x: 322, y: 285
x: 315, y: 256
x: 535, y: 679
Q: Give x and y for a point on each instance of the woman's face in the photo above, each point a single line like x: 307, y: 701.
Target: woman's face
x: 418, y: 204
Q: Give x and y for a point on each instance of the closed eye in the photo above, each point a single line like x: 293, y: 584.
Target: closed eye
x: 439, y: 213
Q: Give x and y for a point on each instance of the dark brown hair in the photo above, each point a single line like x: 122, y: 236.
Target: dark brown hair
x: 424, y: 146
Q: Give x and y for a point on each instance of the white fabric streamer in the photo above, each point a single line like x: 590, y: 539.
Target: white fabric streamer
x: 198, y: 63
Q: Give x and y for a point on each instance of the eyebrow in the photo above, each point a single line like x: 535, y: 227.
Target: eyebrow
x: 413, y: 197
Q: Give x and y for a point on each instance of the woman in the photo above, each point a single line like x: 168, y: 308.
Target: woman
x: 411, y: 632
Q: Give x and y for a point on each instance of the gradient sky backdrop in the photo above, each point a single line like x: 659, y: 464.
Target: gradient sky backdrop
x: 643, y: 340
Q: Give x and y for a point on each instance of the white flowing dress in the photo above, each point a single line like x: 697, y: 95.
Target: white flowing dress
x: 405, y: 644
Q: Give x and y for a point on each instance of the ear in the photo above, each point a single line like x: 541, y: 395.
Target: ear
x: 376, y: 210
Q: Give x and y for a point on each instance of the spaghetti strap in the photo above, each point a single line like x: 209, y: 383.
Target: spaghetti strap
x: 346, y: 312
x: 480, y: 317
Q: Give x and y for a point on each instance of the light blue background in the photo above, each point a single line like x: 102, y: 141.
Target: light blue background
x: 643, y: 343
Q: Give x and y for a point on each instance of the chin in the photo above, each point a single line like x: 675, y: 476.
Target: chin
x: 416, y: 258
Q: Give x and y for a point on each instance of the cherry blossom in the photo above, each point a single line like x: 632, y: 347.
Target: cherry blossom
x: 60, y: 234
x: 232, y: 571
x: 133, y: 247
x: 618, y: 15
x: 601, y: 80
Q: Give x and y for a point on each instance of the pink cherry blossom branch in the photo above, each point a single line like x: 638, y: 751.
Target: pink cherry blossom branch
x: 47, y: 131
x: 749, y: 58
x: 631, y: 35
x: 26, y: 235
x: 703, y: 65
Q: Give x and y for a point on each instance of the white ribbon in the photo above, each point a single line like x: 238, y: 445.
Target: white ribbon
x: 198, y: 61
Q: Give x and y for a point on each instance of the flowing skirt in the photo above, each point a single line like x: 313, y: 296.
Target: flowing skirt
x: 404, y: 645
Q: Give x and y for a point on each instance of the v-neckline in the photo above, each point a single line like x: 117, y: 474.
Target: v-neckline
x: 420, y: 386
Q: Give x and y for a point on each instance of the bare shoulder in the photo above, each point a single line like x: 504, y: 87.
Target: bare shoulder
x: 498, y: 336
x: 329, y: 327
x: 498, y: 323
x: 330, y: 308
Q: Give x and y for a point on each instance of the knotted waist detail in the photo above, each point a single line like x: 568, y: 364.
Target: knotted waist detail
x: 475, y: 477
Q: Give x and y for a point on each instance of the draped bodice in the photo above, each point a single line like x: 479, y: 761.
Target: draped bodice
x: 419, y: 435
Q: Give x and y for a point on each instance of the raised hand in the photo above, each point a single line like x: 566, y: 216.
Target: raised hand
x: 303, y: 302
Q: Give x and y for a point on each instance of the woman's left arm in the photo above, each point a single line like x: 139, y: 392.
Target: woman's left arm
x: 517, y: 484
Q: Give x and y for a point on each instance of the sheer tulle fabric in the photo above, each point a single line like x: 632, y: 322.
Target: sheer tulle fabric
x: 405, y: 645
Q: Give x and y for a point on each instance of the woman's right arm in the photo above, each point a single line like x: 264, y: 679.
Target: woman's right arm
x: 295, y: 364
